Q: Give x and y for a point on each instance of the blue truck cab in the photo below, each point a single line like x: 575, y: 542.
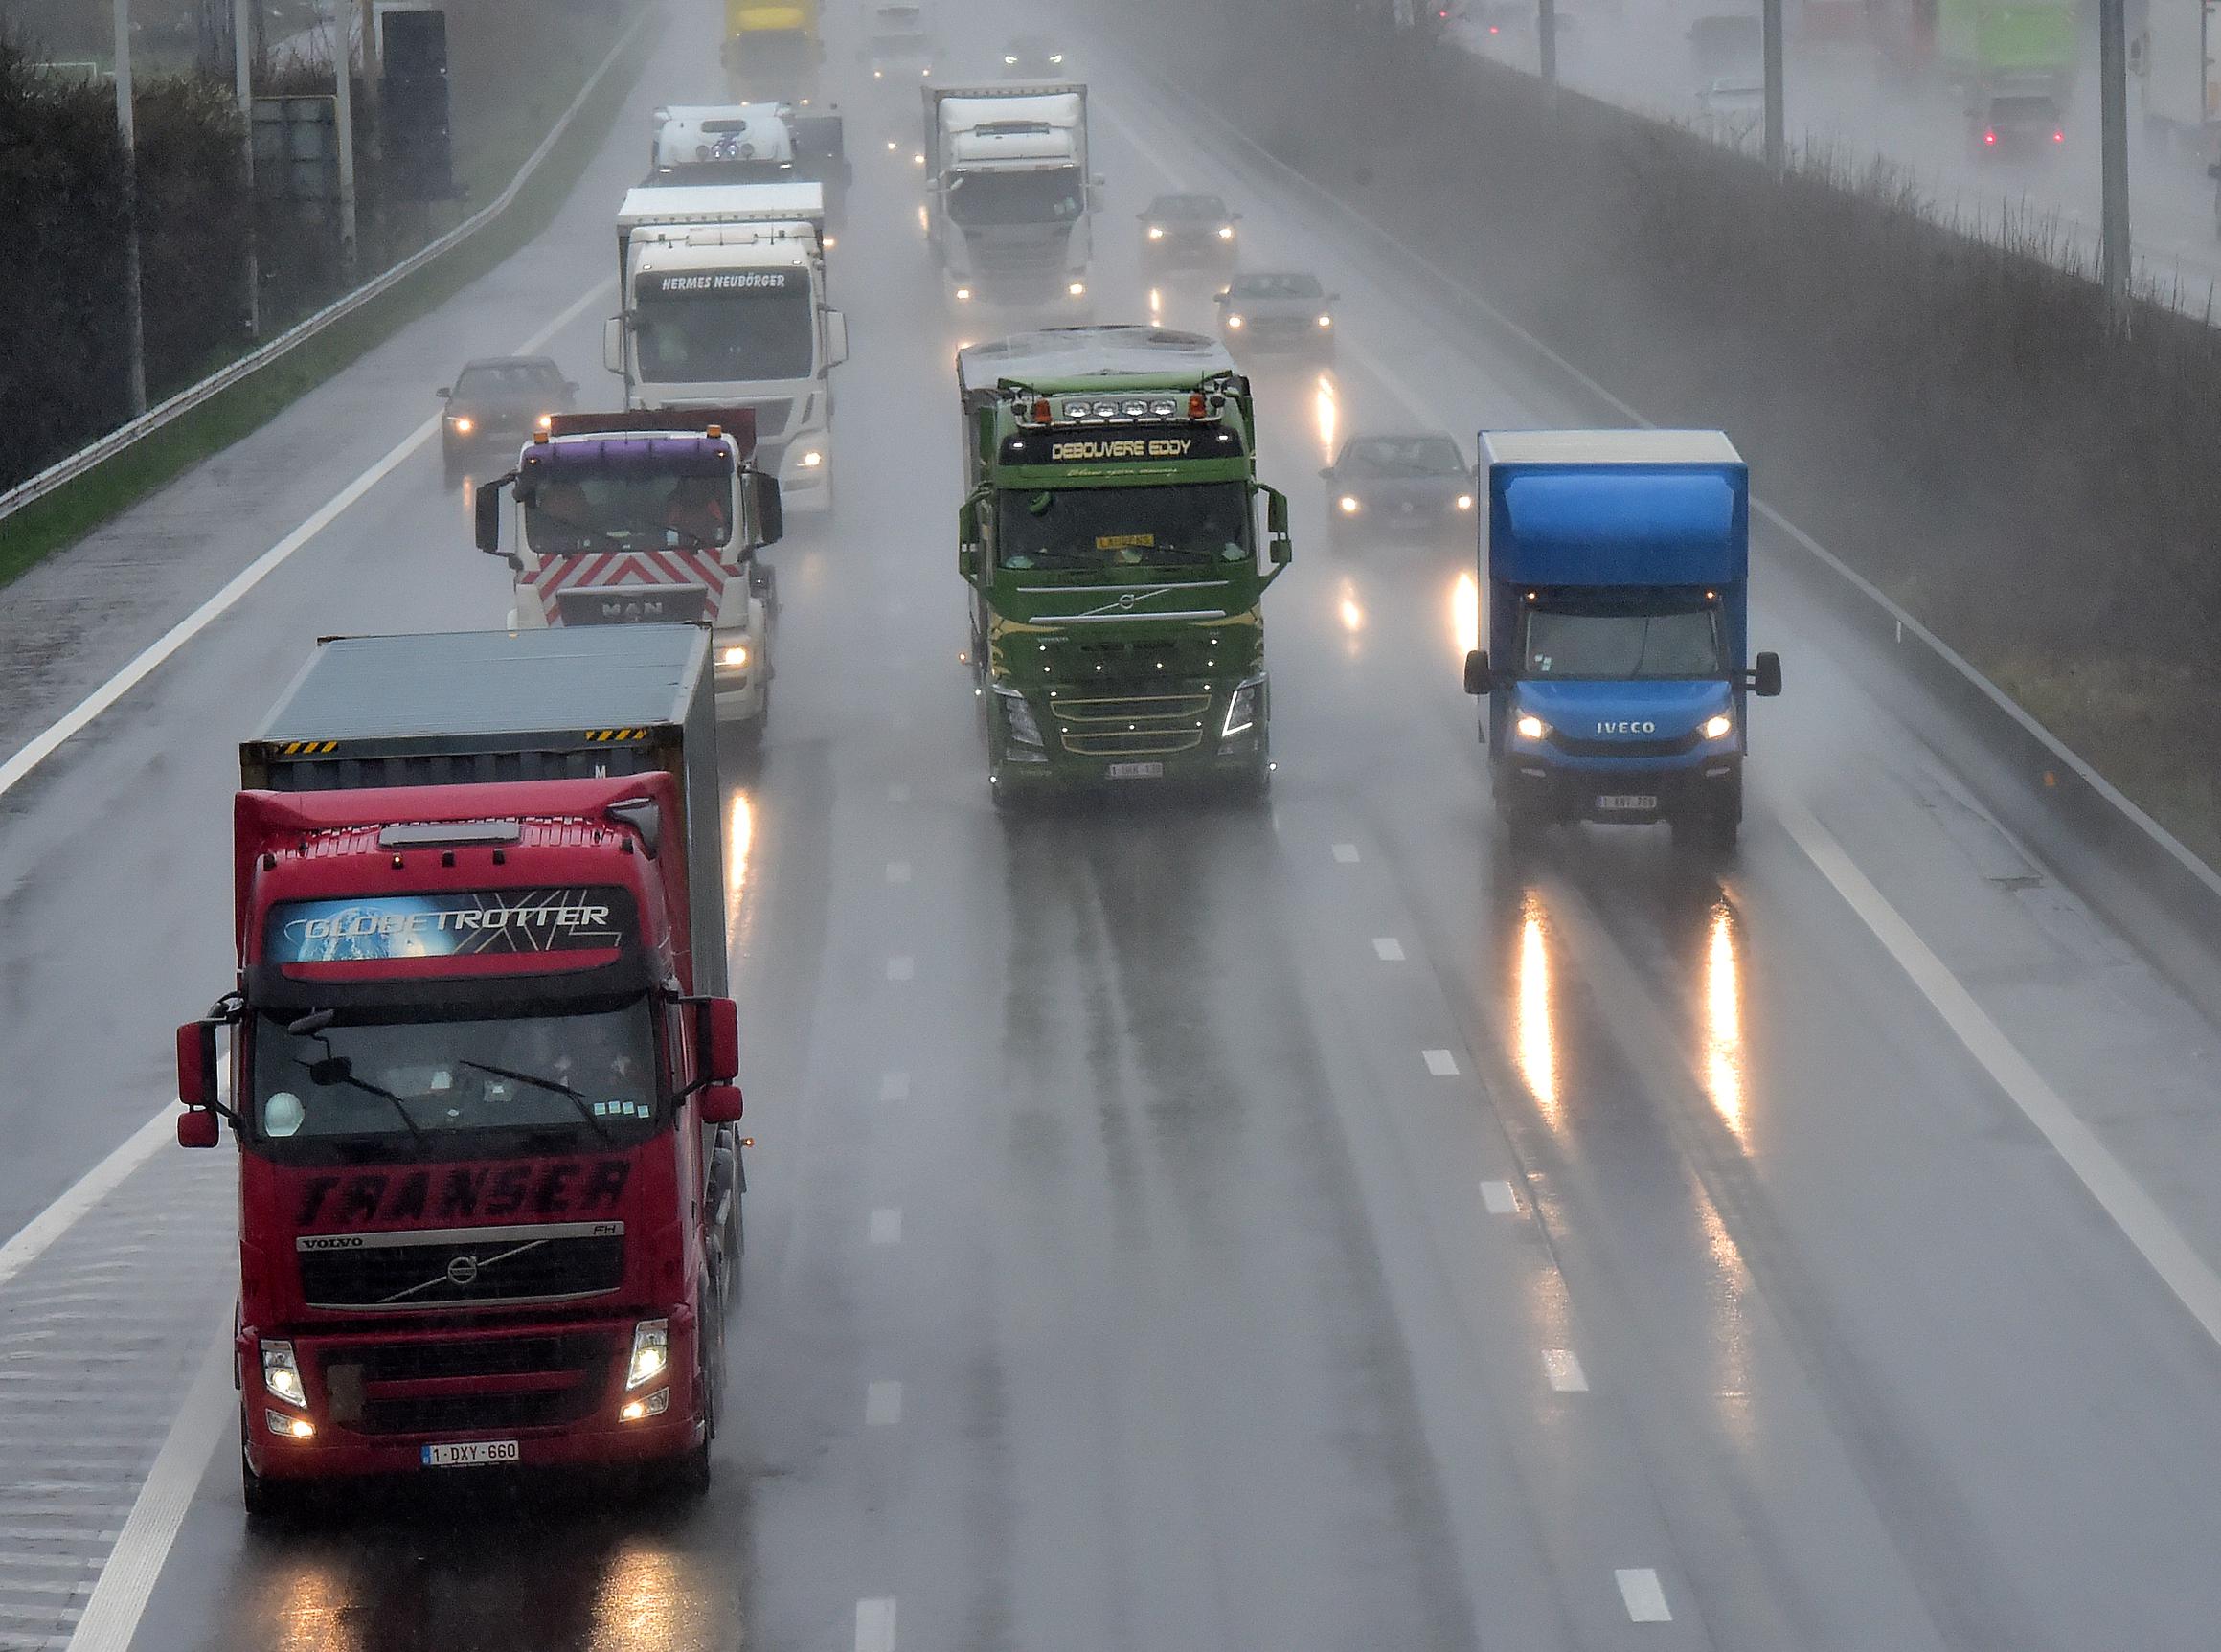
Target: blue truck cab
x: 1614, y: 575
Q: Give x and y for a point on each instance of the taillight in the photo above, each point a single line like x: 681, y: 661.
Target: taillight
x: 2058, y: 137
x: 1989, y: 137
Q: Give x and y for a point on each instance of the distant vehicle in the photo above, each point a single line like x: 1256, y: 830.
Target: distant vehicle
x: 901, y: 47
x: 2018, y: 125
x: 752, y: 143
x: 1731, y: 108
x: 1035, y: 57
x: 1414, y: 484
x: 1279, y: 310
x: 1011, y: 199
x: 772, y: 49
x: 495, y: 405
x: 1187, y: 230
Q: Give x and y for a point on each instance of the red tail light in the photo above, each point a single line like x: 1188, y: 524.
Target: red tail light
x: 1989, y: 137
x: 2058, y: 137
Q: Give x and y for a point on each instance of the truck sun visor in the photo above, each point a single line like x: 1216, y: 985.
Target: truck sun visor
x: 629, y: 456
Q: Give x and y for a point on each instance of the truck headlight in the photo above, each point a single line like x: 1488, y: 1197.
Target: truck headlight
x: 1156, y: 232
x: 1225, y: 231
x: 1464, y: 502
x: 1008, y: 61
x: 1530, y: 727
x: 1018, y: 717
x: 964, y: 295
x: 1241, y: 710
x: 651, y: 1353
x: 464, y: 425
x: 545, y: 422
x: 733, y: 658
x: 281, y: 1375
x: 1349, y: 505
x: 811, y: 460
x: 291, y: 1426
x: 1077, y: 289
x: 1719, y: 728
x: 1325, y: 321
x: 1234, y: 322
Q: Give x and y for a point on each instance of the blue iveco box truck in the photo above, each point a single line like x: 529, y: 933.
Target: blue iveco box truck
x: 1614, y: 570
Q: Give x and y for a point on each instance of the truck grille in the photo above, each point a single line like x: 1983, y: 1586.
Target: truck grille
x: 1131, y: 743
x: 436, y: 1387
x: 632, y: 605
x: 1580, y: 748
x: 462, y: 1267
x: 1187, y: 707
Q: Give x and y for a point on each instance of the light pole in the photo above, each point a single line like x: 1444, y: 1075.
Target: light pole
x: 2114, y: 252
x: 1777, y: 138
x: 243, y: 75
x: 135, y: 323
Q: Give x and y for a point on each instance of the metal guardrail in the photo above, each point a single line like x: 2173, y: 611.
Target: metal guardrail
x: 154, y: 419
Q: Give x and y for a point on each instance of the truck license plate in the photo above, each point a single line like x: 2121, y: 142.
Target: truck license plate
x: 1137, y: 771
x: 471, y: 1454
x: 1627, y: 803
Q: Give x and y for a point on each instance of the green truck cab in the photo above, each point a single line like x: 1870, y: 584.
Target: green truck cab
x: 1110, y: 538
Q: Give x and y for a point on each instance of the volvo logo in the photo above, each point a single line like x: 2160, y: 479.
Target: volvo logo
x: 462, y: 1270
x: 1626, y: 728
x: 1126, y: 600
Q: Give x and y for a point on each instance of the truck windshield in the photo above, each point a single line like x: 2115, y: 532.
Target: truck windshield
x: 1049, y: 195
x: 629, y: 512
x: 1623, y: 633
x: 424, y: 1087
x: 1202, y: 525
x: 732, y: 334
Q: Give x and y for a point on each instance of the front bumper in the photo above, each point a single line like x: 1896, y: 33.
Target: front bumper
x: 1550, y: 786
x: 1154, y: 735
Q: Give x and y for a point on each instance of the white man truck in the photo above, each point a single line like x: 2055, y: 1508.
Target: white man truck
x: 1011, y: 199
x: 723, y: 288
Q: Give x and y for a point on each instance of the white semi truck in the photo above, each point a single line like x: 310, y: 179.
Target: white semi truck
x: 724, y: 305
x: 759, y: 143
x: 1011, y: 199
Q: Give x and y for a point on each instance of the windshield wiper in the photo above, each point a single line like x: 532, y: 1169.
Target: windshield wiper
x: 322, y: 1073
x: 574, y: 1097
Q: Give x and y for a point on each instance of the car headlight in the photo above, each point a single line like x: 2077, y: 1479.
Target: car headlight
x: 1008, y: 61
x: 811, y: 460
x: 1242, y: 707
x: 281, y: 1375
x: 734, y: 658
x: 1156, y: 232
x: 1530, y: 727
x: 880, y: 75
x: 1325, y: 321
x: 918, y: 159
x: 1056, y: 58
x: 964, y: 295
x: 1078, y: 289
x: 1018, y: 717
x: 1719, y: 728
x: 1464, y: 502
x: 651, y: 1353
x: 464, y: 425
x: 1349, y: 505
x: 1225, y: 231
x: 1234, y: 322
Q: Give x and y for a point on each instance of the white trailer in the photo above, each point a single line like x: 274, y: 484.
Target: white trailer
x: 1011, y: 199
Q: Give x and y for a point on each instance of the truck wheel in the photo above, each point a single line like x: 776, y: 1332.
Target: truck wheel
x: 692, y: 1481
x: 264, y: 1499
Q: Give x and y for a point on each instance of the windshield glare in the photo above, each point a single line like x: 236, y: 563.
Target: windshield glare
x: 599, y: 513
x: 731, y: 335
x: 1621, y: 636
x: 507, y: 381
x: 1198, y: 525
x: 1052, y: 195
x: 1405, y: 456
x: 591, y: 1075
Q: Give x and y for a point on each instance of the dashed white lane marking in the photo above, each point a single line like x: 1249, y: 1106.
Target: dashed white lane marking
x: 898, y: 872
x: 1388, y: 948
x: 882, y: 1405
x: 901, y: 967
x: 875, y: 1625
x: 1441, y: 1063
x: 95, y: 1185
x: 886, y: 1227
x: 1644, y: 1595
x: 898, y: 793
x: 1346, y: 854
x: 1498, y: 1199
x: 2133, y: 1210
x: 1564, y: 1368
x: 894, y: 1086
x: 152, y: 656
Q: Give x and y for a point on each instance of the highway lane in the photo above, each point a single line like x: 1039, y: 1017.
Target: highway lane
x: 1245, y: 1282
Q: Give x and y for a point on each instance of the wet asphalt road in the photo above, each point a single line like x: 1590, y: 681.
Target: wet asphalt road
x: 1306, y: 1226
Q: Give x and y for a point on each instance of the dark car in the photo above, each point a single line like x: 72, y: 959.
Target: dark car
x: 1282, y: 310
x: 493, y: 407
x: 1416, y: 484
x: 2024, y: 124
x: 1187, y: 230
x: 1035, y: 57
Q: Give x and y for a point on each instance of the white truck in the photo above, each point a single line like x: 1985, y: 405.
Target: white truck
x: 1011, y: 199
x: 759, y: 143
x: 647, y: 517
x: 724, y: 305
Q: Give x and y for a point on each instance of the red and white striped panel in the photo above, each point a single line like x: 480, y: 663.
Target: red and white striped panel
x: 607, y: 570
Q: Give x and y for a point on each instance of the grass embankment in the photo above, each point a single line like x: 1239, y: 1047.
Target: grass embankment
x: 497, y: 144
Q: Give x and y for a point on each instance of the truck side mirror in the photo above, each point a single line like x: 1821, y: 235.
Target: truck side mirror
x: 1766, y: 676
x: 968, y: 538
x: 721, y: 1104
x: 485, y: 504
x: 1282, y: 552
x: 1478, y: 677
x: 836, y: 338
x: 769, y: 506
x: 720, y: 1040
x: 444, y: 392
x: 613, y: 344
x: 196, y: 1074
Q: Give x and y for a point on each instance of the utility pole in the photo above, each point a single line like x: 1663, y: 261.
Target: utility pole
x: 243, y: 76
x: 1777, y: 135
x: 1546, y: 34
x: 343, y: 80
x: 2114, y: 252
x: 135, y: 322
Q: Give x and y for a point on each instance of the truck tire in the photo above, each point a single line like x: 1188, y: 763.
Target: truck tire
x: 265, y: 1500
x: 691, y: 1482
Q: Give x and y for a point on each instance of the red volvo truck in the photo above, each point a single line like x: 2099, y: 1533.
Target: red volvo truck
x: 482, y: 1061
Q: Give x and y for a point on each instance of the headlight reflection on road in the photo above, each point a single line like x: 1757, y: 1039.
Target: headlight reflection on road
x: 1329, y: 412
x: 1538, y: 1055
x: 1351, y: 611
x: 1723, y: 1066
x: 739, y: 838
x: 1466, y: 615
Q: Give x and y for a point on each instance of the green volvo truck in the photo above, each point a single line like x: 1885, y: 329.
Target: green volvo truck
x: 1109, y: 536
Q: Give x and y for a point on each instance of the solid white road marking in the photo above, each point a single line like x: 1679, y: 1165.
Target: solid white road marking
x: 898, y: 872
x: 1498, y: 1198
x: 1346, y: 854
x: 1388, y: 948
x: 901, y: 967
x: 32, y: 1240
x: 875, y: 1625
x: 1564, y: 1367
x: 118, y: 1600
x: 883, y: 1405
x: 894, y: 1087
x: 1646, y: 1598
x: 1441, y: 1063
x: 46, y: 744
x: 2133, y: 1210
x: 886, y: 1227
